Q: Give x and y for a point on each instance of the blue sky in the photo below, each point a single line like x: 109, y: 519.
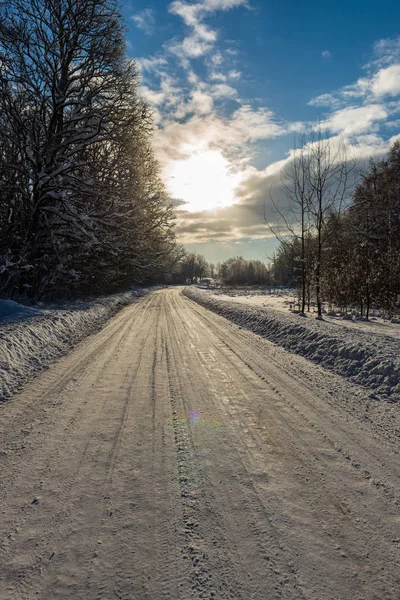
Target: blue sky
x: 232, y: 82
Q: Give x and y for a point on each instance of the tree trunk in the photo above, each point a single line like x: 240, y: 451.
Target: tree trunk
x: 303, y: 265
x: 318, y: 273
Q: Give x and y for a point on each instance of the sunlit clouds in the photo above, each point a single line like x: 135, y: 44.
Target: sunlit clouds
x: 221, y: 148
x: 203, y: 181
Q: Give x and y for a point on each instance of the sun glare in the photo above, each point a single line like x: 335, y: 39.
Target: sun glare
x: 203, y: 181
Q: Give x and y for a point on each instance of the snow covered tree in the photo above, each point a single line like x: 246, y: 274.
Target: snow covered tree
x: 77, y: 192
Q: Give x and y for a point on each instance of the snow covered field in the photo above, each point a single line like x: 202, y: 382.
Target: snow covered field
x: 32, y: 338
x: 368, y: 359
x: 283, y: 300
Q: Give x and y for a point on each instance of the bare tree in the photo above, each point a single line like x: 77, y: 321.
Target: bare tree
x: 315, y: 183
x: 329, y: 185
x: 294, y: 213
x: 201, y: 266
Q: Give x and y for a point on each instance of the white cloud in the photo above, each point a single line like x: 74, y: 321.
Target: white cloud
x: 217, y: 59
x: 178, y: 102
x: 206, y: 157
x: 355, y: 120
x: 193, y: 47
x: 201, y: 103
x: 167, y: 97
x: 386, y: 52
x: 211, y: 5
x: 223, y: 91
x: 392, y: 124
x: 234, y: 74
x: 154, y: 63
x: 202, y: 38
x: 382, y: 79
x: 193, y: 78
x: 248, y: 124
x: 178, y: 141
x: 152, y: 97
x: 386, y: 81
x: 328, y: 100
x: 357, y: 90
x: 188, y: 12
x: 192, y: 14
x: 250, y: 189
x: 145, y: 20
x: 217, y: 76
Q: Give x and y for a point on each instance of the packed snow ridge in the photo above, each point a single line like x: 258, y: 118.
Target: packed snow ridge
x: 372, y: 361
x: 32, y: 338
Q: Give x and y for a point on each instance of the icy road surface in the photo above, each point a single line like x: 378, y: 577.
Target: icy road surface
x: 174, y: 455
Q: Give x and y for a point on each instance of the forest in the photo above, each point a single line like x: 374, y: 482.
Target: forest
x: 83, y: 208
x: 353, y: 251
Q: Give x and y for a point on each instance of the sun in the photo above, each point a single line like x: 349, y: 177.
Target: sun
x: 204, y: 181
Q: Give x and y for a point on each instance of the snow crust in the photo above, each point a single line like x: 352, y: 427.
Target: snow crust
x: 372, y: 361
x: 33, y: 338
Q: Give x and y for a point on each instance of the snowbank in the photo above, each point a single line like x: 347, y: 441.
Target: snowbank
x: 372, y: 361
x: 11, y: 310
x: 282, y: 299
x: 33, y: 338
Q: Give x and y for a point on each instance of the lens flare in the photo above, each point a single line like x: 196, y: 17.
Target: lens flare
x: 194, y: 416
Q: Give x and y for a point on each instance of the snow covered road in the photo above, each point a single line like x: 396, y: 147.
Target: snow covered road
x: 175, y: 455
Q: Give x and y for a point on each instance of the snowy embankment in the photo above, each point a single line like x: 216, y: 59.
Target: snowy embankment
x: 32, y: 338
x: 372, y: 361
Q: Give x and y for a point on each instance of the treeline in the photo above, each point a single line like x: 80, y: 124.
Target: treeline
x: 360, y: 257
x: 193, y: 268
x: 82, y: 206
x: 238, y: 271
